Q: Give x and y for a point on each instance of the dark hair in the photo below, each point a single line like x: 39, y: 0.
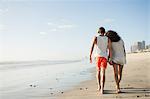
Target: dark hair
x: 102, y: 29
x: 113, y: 36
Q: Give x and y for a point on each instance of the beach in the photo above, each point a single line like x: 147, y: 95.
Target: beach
x: 135, y: 83
x: 73, y: 80
x: 40, y: 79
x: 46, y: 48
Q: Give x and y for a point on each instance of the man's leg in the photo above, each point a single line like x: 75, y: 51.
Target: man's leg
x: 102, y: 80
x: 98, y: 80
x: 98, y: 76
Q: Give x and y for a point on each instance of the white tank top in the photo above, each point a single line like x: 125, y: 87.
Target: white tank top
x: 102, y: 43
x: 118, y: 54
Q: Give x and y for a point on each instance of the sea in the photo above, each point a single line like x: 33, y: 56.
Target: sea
x: 42, y: 78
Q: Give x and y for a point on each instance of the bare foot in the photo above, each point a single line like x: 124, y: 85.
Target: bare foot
x: 102, y: 91
x: 99, y: 88
x: 118, y: 91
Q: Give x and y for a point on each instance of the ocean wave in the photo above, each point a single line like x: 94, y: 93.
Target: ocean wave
x: 25, y: 64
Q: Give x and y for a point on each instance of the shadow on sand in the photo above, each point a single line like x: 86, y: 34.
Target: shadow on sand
x: 133, y: 90
x: 130, y: 90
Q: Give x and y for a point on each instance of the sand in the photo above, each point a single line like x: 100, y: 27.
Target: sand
x: 135, y: 83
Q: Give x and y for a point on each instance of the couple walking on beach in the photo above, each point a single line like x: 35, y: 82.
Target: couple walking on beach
x: 109, y: 47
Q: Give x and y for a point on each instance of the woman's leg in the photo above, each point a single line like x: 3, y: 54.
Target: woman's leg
x: 120, y: 73
x: 116, y: 76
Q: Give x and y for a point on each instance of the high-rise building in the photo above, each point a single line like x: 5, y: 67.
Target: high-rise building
x: 138, y: 46
x: 143, y: 45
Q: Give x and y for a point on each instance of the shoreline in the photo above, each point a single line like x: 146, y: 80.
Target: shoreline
x: 79, y: 83
x: 135, y: 82
x: 41, y: 81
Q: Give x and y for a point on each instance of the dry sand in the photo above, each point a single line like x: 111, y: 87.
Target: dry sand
x: 135, y: 83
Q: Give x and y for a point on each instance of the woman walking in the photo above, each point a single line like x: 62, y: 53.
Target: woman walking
x: 118, y: 58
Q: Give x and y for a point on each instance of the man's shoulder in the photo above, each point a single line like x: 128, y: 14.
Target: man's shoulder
x: 102, y: 36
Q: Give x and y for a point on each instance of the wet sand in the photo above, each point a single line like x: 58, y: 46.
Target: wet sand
x: 40, y: 79
x: 135, y: 83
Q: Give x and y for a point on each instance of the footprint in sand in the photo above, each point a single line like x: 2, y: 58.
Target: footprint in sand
x: 147, y: 95
x: 137, y: 96
x: 33, y: 85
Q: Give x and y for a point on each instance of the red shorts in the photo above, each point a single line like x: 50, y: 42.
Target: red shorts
x: 101, y: 62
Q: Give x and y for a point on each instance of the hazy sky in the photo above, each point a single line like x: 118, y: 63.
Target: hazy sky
x: 63, y: 29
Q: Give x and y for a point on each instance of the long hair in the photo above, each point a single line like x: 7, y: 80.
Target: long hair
x: 113, y: 36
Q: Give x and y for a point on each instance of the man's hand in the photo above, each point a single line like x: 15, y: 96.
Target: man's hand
x: 90, y: 59
x: 94, y: 42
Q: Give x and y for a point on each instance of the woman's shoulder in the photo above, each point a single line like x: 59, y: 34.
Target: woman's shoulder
x: 121, y: 40
x: 120, y: 43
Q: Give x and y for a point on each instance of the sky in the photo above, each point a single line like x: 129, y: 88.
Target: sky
x: 64, y: 29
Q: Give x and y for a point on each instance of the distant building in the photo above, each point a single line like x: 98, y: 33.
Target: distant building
x: 138, y: 46
x: 143, y: 45
x: 147, y: 47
